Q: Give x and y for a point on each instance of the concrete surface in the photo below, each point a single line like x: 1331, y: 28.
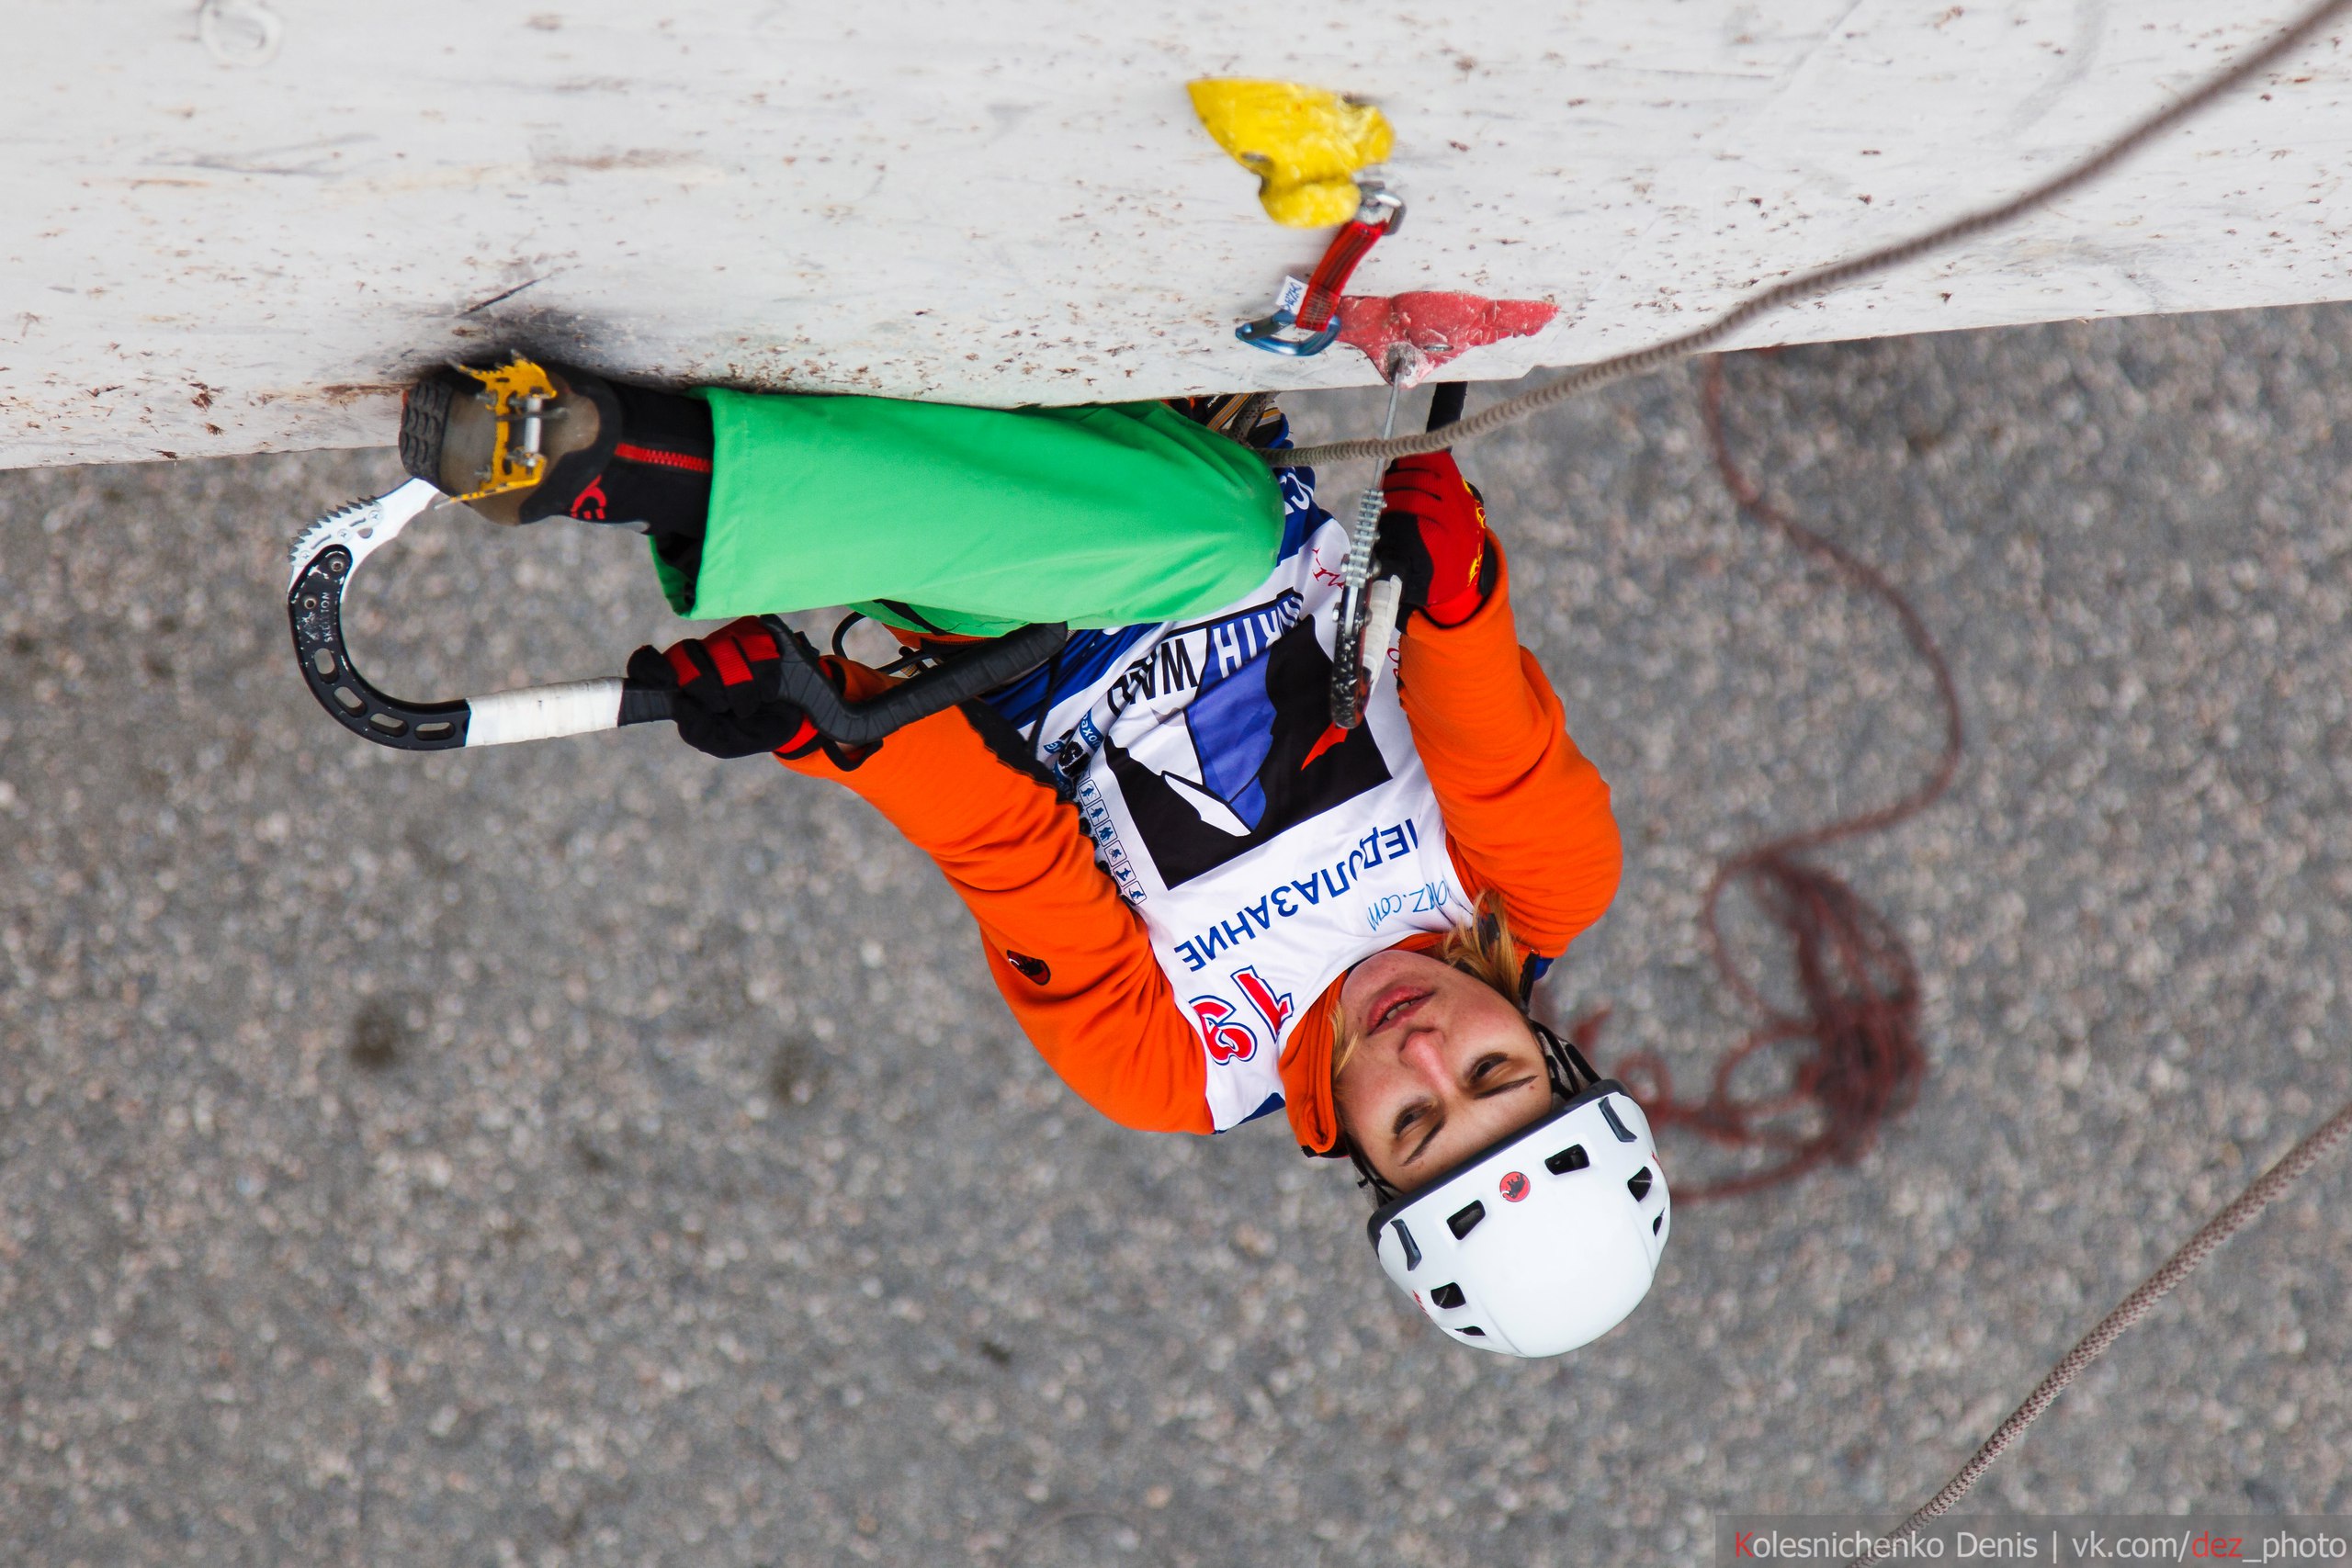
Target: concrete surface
x: 242, y: 225
x: 587, y: 1153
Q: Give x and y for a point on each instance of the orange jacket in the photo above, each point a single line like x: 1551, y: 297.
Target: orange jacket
x: 1527, y: 816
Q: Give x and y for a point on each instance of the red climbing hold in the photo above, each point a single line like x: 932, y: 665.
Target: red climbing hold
x: 1438, y: 326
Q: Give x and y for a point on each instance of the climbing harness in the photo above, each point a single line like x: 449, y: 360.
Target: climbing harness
x: 1305, y: 317
x: 1658, y: 356
x: 329, y: 554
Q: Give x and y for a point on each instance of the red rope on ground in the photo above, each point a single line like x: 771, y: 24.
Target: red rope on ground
x: 1858, y: 1061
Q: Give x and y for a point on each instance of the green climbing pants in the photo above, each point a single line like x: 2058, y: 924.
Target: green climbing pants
x: 976, y: 520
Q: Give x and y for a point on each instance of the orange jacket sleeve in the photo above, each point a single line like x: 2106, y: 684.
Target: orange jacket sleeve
x: 1069, y: 957
x: 1526, y: 814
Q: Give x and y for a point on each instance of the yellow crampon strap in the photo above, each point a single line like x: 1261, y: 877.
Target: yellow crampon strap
x: 518, y: 392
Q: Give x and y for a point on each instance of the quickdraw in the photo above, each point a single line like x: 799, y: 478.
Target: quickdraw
x: 1306, y: 318
x: 1357, y: 655
x: 1369, y: 606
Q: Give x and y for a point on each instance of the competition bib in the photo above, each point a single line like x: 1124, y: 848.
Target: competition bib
x: 1266, y: 851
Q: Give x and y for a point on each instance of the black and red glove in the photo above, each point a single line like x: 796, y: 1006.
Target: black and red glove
x: 730, y: 688
x: 1433, y: 539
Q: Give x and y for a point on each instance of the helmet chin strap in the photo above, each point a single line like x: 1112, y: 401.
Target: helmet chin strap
x: 1563, y: 1064
x: 1381, y: 1192
x: 1571, y: 1074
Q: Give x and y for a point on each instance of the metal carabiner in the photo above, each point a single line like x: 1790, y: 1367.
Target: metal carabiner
x: 1312, y: 309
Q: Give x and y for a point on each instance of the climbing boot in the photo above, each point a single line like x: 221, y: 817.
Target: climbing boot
x: 524, y: 441
x: 515, y: 442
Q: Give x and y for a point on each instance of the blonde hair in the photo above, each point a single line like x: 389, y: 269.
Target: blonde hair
x: 1483, y: 950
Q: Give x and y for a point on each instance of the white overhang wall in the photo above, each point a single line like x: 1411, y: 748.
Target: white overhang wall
x: 242, y: 225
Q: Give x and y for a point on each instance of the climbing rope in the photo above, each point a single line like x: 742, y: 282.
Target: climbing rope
x: 1641, y: 361
x: 2267, y: 1188
x: 1861, y: 1009
x: 1771, y: 858
x: 1819, y: 908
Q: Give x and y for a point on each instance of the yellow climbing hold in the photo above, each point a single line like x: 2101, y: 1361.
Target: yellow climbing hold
x: 1304, y: 144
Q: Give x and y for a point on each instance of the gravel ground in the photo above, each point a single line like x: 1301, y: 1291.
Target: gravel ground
x: 586, y: 1153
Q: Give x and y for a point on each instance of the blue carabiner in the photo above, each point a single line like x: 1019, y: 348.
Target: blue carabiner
x: 1318, y: 300
x: 1264, y: 333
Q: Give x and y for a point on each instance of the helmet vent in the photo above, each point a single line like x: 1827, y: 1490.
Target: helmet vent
x: 1461, y: 1222
x: 1447, y: 1296
x: 1479, y: 1332
x: 1412, y: 1252
x: 1638, y: 1184
x: 1608, y: 1114
x: 1573, y: 1157
x: 1658, y: 1225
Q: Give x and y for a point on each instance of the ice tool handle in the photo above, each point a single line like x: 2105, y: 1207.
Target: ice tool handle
x: 1312, y: 324
x: 329, y: 555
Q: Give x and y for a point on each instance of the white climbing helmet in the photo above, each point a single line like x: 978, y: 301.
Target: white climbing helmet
x: 1543, y: 1241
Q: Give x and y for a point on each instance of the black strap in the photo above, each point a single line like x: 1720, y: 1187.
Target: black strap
x: 915, y: 617
x: 974, y: 670
x: 1445, y: 403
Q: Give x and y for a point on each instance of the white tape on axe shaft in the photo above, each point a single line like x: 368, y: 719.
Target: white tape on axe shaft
x: 576, y: 707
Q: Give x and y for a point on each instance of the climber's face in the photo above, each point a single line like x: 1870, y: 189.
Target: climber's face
x: 1444, y: 1067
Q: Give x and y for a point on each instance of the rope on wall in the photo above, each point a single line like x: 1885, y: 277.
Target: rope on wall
x: 1641, y: 361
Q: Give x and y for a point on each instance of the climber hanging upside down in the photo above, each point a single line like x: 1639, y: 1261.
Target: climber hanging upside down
x: 1201, y: 900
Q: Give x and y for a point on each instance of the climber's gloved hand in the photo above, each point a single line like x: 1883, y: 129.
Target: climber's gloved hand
x: 1433, y: 539
x: 729, y: 700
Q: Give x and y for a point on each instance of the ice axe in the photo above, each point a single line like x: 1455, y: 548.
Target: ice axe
x: 328, y: 555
